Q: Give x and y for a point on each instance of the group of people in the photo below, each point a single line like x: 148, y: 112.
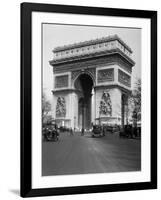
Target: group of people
x: 130, y: 131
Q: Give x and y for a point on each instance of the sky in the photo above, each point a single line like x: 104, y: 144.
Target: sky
x: 59, y: 35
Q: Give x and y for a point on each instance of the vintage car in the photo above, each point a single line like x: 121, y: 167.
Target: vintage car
x: 50, y: 133
x: 111, y: 128
x: 126, y: 132
x: 97, y: 131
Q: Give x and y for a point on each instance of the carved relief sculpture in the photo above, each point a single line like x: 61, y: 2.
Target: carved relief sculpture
x: 92, y: 71
x: 75, y: 74
x: 61, y: 81
x: 124, y: 78
x: 105, y: 104
x: 61, y: 107
x: 105, y: 75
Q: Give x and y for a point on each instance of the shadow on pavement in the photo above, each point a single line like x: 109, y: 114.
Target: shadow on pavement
x: 15, y: 192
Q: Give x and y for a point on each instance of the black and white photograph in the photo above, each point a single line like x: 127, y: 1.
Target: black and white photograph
x: 88, y: 85
x: 79, y: 108
x: 91, y: 99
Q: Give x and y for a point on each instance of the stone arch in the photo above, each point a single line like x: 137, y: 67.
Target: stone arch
x: 83, y: 84
x: 79, y: 73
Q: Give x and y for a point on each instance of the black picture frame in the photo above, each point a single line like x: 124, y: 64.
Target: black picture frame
x: 26, y: 103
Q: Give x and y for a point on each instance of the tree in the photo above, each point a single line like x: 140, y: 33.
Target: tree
x: 46, y: 108
x: 135, y: 101
x: 129, y: 109
x: 137, y: 95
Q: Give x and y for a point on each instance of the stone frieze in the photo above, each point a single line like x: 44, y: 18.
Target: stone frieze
x: 61, y: 81
x: 105, y: 75
x: 124, y: 78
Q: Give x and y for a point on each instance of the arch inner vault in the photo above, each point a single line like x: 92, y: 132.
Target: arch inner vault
x: 84, y: 85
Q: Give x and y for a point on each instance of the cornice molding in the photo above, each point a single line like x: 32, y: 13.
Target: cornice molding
x: 90, y: 56
x: 92, y: 42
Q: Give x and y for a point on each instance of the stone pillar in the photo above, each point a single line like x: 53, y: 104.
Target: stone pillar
x: 123, y: 110
x: 127, y: 109
x: 53, y: 106
x: 71, y: 111
x: 116, y: 96
x: 93, y: 108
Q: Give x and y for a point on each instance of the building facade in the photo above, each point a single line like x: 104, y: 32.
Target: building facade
x: 91, y: 82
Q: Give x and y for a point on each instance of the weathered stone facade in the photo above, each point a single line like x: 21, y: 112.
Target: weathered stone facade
x: 92, y: 77
x: 61, y: 81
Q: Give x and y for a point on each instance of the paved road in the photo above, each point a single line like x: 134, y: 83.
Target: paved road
x: 84, y: 154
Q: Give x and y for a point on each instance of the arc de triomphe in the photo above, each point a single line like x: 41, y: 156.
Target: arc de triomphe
x: 92, y: 82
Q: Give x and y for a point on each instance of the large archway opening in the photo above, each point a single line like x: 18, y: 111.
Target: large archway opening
x: 84, y: 85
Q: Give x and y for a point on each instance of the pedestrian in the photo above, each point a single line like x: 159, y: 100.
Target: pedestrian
x: 55, y: 126
x: 103, y: 130
x: 71, y: 132
x: 82, y: 133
